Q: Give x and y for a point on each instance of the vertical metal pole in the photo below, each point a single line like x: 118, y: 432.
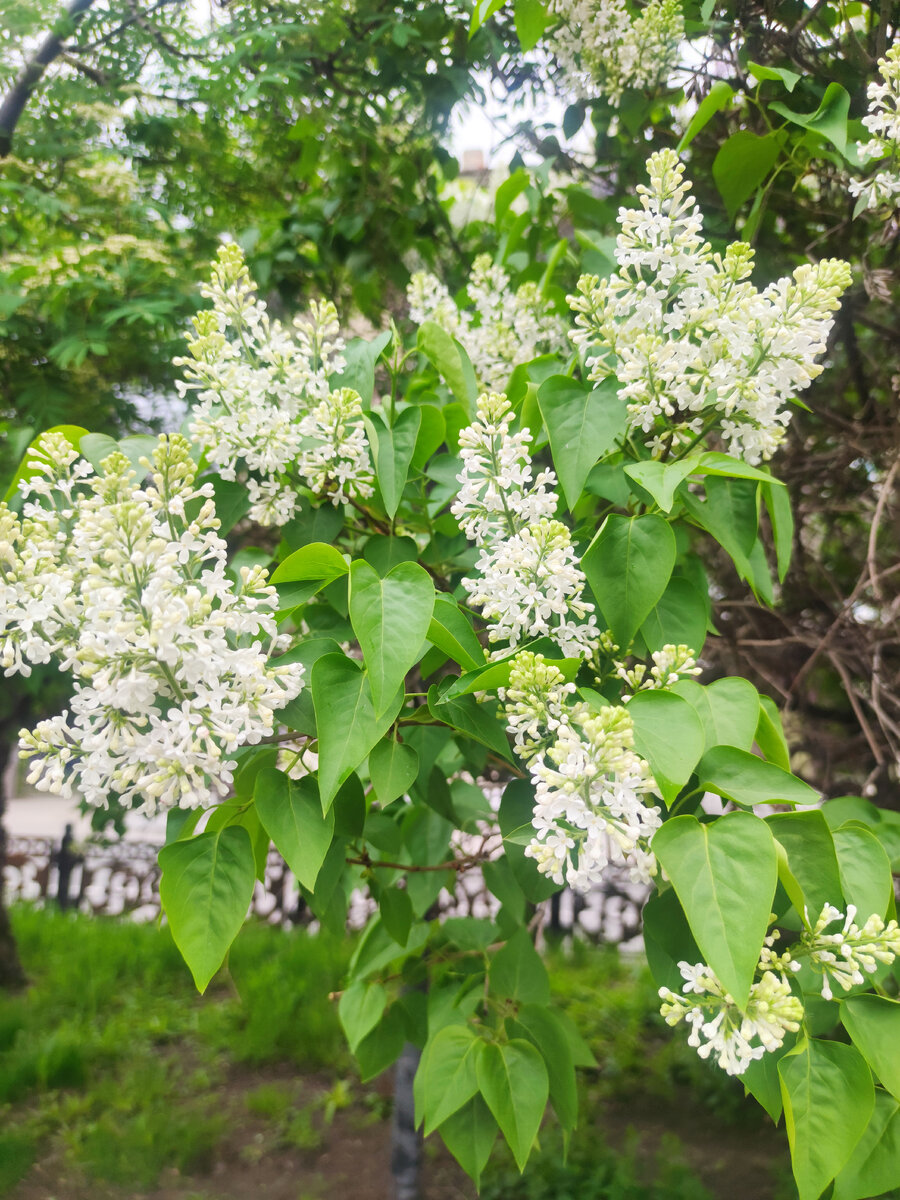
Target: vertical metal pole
x: 406, y: 1140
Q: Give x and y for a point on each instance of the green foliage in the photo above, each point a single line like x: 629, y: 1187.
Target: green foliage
x: 206, y: 888
x: 96, y: 1056
x: 316, y: 142
x: 724, y: 875
x: 597, y: 1173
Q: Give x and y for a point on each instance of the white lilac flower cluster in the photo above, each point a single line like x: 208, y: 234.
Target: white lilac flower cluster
x: 734, y: 1036
x: 696, y: 348
x: 739, y: 1036
x: 126, y: 586
x: 506, y: 328
x: 883, y: 123
x: 265, y: 399
x: 604, y: 50
x: 529, y: 581
x: 670, y: 664
x: 847, y: 954
x: 589, y: 783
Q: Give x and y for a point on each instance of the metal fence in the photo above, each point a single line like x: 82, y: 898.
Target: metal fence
x: 122, y: 878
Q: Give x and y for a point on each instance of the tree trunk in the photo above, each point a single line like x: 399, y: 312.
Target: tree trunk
x: 13, y: 103
x: 12, y: 976
x: 406, y: 1141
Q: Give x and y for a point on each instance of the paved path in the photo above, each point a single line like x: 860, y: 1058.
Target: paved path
x: 41, y: 815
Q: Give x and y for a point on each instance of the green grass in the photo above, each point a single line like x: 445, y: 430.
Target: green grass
x: 593, y: 1172
x: 115, y: 1069
x: 614, y: 1003
x: 113, y: 1058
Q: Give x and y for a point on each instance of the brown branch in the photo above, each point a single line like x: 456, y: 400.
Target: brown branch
x: 276, y: 739
x: 864, y: 725
x: 883, y: 495
x: 15, y: 100
x: 465, y: 863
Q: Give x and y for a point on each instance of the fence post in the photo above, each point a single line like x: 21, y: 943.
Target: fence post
x: 65, y: 861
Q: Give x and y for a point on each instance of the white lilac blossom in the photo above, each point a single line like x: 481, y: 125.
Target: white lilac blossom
x: 126, y: 585
x: 883, y: 122
x: 265, y: 406
x: 670, y: 664
x: 847, y: 954
x: 696, y: 348
x: 604, y: 50
x: 530, y: 583
x: 589, y: 783
x: 733, y: 1036
x: 506, y: 327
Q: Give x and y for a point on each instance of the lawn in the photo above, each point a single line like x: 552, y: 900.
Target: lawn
x: 117, y: 1080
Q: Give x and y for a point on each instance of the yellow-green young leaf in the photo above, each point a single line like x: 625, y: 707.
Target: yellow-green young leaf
x: 449, y: 1076
x: 873, y: 1023
x: 724, y: 875
x: 865, y: 868
x: 874, y: 1166
x: 514, y: 1083
x: 393, y: 767
x: 714, y: 463
x: 828, y: 1100
x: 742, y: 777
x: 205, y: 891
x: 809, y: 872
x: 317, y: 561
x: 451, y: 632
x: 393, y: 447
x: 669, y: 734
x: 583, y: 425
x: 628, y: 566
x: 345, y: 720
x: 291, y: 812
x: 390, y: 618
x: 360, y: 1009
x: 660, y: 480
x: 469, y: 1135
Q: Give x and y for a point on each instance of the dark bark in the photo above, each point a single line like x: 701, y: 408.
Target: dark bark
x: 12, y: 976
x: 406, y: 1140
x: 13, y: 103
